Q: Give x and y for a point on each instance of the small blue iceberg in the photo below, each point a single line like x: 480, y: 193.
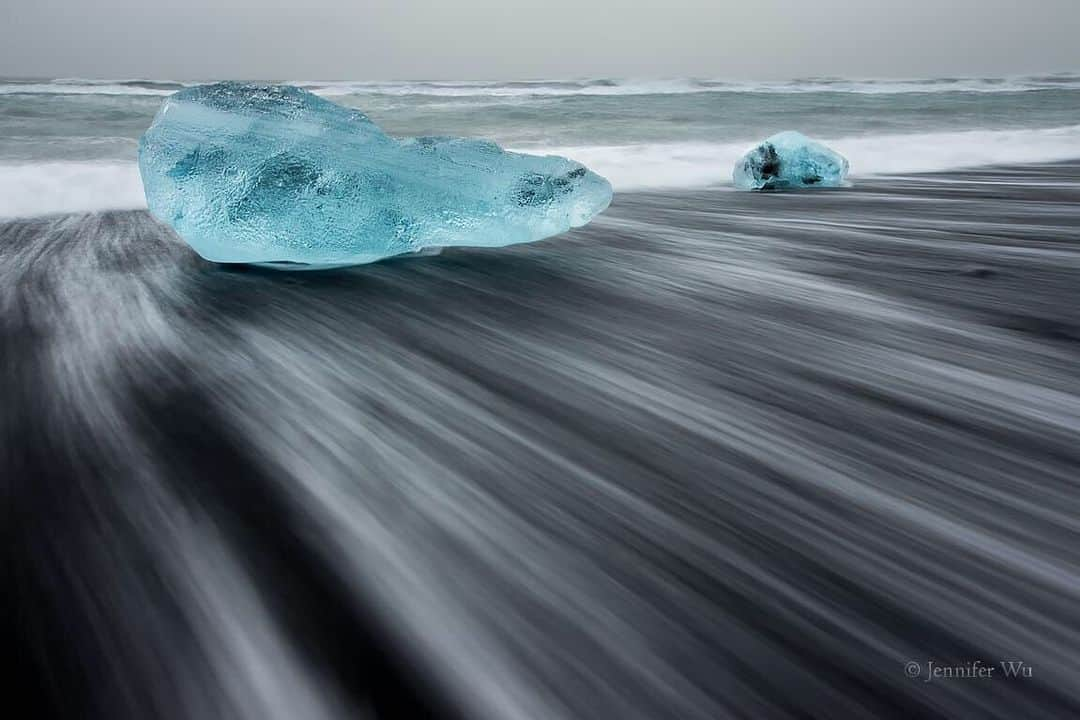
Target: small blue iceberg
x: 272, y: 174
x: 790, y: 160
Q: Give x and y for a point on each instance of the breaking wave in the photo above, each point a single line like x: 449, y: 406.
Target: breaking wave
x: 1063, y: 81
x: 78, y: 86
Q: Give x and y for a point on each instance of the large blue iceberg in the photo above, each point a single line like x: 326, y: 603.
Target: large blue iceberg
x: 790, y: 160
x: 255, y: 173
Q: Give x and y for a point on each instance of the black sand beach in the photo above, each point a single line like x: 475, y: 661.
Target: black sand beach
x: 716, y: 455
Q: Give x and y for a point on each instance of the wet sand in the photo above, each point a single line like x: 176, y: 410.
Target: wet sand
x: 715, y: 455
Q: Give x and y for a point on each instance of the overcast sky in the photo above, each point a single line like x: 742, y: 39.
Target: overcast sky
x: 497, y: 39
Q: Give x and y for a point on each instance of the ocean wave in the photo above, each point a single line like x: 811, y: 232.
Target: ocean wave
x: 524, y: 88
x: 91, y: 87
x: 54, y: 187
x: 689, y: 85
x: 141, y: 83
x: 589, y: 87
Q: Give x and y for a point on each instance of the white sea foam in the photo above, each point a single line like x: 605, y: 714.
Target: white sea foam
x: 62, y: 187
x: 684, y: 165
x: 54, y: 187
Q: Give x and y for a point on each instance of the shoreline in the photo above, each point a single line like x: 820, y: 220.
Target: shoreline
x: 35, y: 188
x: 715, y: 454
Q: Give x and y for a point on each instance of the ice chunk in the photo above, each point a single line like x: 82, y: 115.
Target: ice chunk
x: 254, y: 173
x: 790, y: 160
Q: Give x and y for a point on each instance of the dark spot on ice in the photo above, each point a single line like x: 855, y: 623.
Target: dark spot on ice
x: 536, y: 189
x: 770, y: 161
x: 286, y: 172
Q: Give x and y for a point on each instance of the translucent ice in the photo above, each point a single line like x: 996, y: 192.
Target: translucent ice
x: 790, y: 160
x: 255, y: 173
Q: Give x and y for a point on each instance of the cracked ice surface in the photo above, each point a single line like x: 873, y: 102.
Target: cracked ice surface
x: 255, y: 173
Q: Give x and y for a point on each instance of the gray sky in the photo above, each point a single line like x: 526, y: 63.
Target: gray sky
x: 496, y: 39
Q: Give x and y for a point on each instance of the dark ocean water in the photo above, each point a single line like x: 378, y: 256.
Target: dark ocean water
x: 716, y: 455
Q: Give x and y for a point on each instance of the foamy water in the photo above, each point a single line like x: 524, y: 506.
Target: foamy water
x: 685, y: 165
